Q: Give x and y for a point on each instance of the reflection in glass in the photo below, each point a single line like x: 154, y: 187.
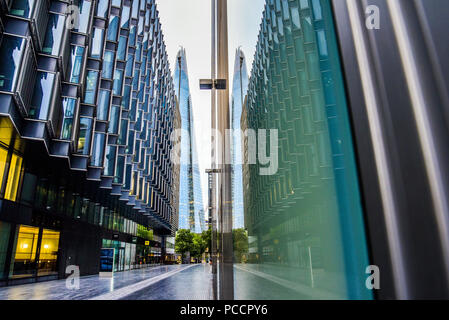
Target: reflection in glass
x: 85, y: 135
x: 43, y: 93
x: 22, y: 8
x: 304, y: 232
x: 11, y: 53
x: 53, y: 36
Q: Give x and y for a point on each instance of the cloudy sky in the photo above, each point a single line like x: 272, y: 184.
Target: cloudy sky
x: 187, y: 23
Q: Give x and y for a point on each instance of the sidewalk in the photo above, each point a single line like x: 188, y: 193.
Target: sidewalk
x: 143, y: 281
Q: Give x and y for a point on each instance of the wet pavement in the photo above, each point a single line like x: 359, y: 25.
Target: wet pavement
x: 162, y: 283
x: 192, y: 284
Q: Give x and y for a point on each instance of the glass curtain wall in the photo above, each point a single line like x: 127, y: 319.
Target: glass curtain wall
x: 304, y: 232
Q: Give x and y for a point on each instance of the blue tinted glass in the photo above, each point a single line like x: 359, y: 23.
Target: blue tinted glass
x: 91, y: 87
x: 43, y: 92
x: 76, y: 63
x: 53, y: 36
x: 103, y: 105
x: 68, y: 106
x: 85, y: 135
x: 98, y: 150
x: 11, y: 52
x: 108, y: 64
x: 23, y: 8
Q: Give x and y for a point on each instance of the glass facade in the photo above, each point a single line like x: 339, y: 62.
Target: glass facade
x: 191, y: 208
x: 304, y: 236
x: 99, y: 98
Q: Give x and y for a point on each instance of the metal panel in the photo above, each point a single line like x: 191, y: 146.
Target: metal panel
x: 398, y: 97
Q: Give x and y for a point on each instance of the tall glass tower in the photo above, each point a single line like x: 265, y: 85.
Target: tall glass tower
x: 239, y: 91
x: 191, y: 209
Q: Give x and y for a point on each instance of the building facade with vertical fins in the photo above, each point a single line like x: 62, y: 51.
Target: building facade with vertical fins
x: 87, y: 108
x: 191, y: 208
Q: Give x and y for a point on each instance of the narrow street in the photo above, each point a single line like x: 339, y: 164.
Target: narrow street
x: 178, y: 282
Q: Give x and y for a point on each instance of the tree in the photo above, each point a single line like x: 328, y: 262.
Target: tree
x: 184, y: 241
x: 240, y: 239
x: 207, y: 237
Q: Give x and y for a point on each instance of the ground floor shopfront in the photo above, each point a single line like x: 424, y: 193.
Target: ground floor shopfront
x: 44, y: 247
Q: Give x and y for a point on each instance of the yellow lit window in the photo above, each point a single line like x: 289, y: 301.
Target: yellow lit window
x: 15, y: 173
x: 3, y: 156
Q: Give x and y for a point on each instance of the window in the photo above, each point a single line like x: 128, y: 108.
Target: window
x: 43, y: 92
x: 24, y: 257
x: 11, y: 53
x: 69, y: 107
x: 98, y: 150
x: 5, y: 229
x: 14, y: 176
x: 84, y: 7
x: 96, y: 47
x: 48, y: 253
x: 23, y: 8
x: 85, y: 134
x: 53, y: 36
x: 91, y: 87
x: 76, y: 63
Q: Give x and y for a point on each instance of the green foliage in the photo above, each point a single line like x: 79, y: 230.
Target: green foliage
x: 183, y: 241
x: 240, y: 239
x: 196, y: 244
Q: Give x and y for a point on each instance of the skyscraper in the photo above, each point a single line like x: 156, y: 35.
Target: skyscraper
x: 191, y: 209
x: 239, y: 91
x: 87, y: 109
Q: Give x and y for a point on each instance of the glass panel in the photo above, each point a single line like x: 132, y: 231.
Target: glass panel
x: 84, y: 7
x: 76, y: 63
x: 23, y: 262
x: 14, y: 176
x: 69, y: 107
x: 22, y: 8
x: 3, y: 159
x: 49, y: 253
x: 298, y: 220
x: 85, y: 135
x: 5, y: 229
x: 43, y: 93
x: 53, y: 36
x: 11, y: 53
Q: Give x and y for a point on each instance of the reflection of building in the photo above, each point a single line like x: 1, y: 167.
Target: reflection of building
x: 84, y: 137
x: 298, y: 218
x: 191, y: 210
x: 239, y: 90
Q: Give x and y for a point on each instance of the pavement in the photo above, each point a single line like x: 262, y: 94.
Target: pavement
x: 177, y: 282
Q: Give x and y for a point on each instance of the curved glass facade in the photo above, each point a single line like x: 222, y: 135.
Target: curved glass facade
x: 191, y: 209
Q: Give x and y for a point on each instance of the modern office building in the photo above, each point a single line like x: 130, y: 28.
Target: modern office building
x: 87, y: 108
x: 239, y: 91
x: 191, y: 208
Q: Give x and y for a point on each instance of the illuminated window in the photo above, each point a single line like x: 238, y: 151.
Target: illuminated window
x: 49, y: 252
x: 23, y: 264
x: 3, y: 156
x: 14, y: 176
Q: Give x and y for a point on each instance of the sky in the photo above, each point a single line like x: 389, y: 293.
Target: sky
x: 187, y: 23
